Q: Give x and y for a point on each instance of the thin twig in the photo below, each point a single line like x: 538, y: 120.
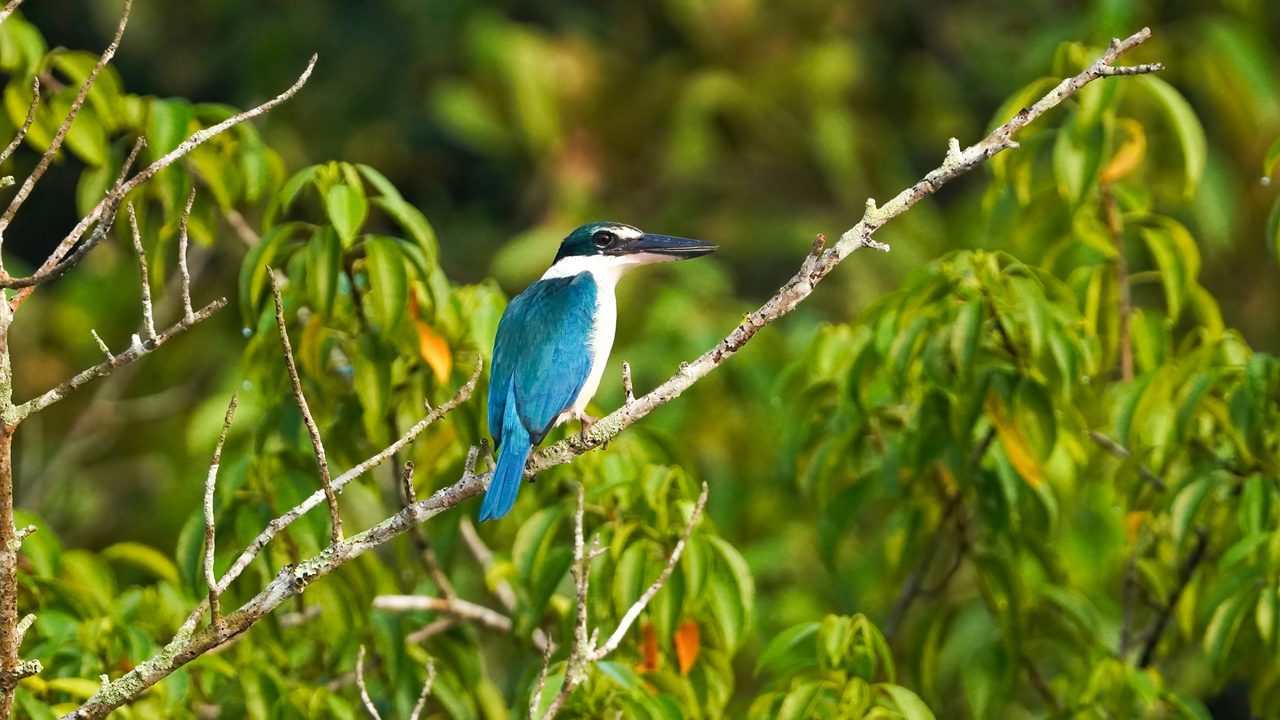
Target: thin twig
x: 628, y: 389
x: 110, y: 204
x: 430, y: 630
x: 210, y: 484
x: 191, y: 143
x: 426, y: 553
x: 1122, y: 452
x: 134, y: 351
x: 535, y: 699
x: 8, y: 9
x: 364, y: 690
x: 633, y: 612
x: 456, y: 607
x: 584, y: 651
x: 317, y: 446
x: 483, y: 555
x: 1184, y: 578
x: 61, y: 133
x: 293, y: 580
x: 183, y: 272
x: 275, y: 526
x: 26, y: 124
x: 815, y: 267
x: 426, y: 690
x: 148, y: 316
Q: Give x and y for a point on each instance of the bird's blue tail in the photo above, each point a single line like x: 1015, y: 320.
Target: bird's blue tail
x: 508, y: 474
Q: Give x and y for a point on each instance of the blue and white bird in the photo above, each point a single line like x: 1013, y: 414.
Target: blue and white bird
x: 554, y: 340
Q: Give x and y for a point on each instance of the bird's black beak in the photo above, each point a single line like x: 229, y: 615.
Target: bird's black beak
x: 673, y: 248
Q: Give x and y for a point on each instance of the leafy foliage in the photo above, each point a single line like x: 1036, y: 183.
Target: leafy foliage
x: 958, y: 498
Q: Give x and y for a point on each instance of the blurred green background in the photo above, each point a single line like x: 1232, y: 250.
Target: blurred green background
x: 752, y: 124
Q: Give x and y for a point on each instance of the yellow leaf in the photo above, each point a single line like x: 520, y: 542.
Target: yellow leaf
x: 434, y: 350
x: 1133, y: 523
x: 648, y: 649
x: 1129, y: 155
x: 688, y: 638
x: 1014, y: 442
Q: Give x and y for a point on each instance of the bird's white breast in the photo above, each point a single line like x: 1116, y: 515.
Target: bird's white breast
x: 605, y: 271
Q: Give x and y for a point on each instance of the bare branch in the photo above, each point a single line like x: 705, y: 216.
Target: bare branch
x: 426, y: 553
x: 322, y: 462
x: 419, y: 636
x: 135, y: 350
x: 483, y: 555
x: 364, y: 690
x: 426, y: 690
x: 280, y: 523
x: 49, y: 273
x: 61, y: 133
x: 633, y: 612
x: 628, y: 389
x: 8, y: 9
x: 1123, y: 453
x: 148, y: 314
x: 197, y: 139
x: 210, y: 484
x: 535, y: 698
x: 456, y: 607
x: 183, y: 272
x: 815, y: 267
x: 26, y: 124
x: 1185, y: 573
x: 189, y: 644
x: 579, y: 653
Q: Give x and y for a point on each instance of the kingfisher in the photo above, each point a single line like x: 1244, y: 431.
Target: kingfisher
x: 553, y: 343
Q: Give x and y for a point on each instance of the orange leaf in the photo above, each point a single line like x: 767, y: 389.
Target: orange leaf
x: 1014, y: 442
x: 1133, y: 523
x: 1128, y: 156
x: 434, y: 350
x: 687, y: 640
x: 648, y: 649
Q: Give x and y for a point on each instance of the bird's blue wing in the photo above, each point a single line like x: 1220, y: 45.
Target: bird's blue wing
x: 542, y: 353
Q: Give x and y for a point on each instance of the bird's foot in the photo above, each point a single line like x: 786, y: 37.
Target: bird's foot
x: 587, y: 422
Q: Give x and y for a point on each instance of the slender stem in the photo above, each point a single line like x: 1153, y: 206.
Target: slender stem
x: 317, y: 445
x: 9, y: 661
x: 1166, y: 613
x: 1115, y: 227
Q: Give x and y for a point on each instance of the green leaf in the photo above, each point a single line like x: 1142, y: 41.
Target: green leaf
x: 631, y: 575
x: 1077, y: 158
x: 143, y: 557
x: 1173, y: 270
x: 1186, y: 126
x: 167, y: 124
x: 253, y: 271
x: 347, y: 210
x: 413, y: 222
x: 385, y: 187
x: 624, y: 675
x: 966, y: 335
x: 803, y: 703
x: 1271, y: 158
x: 1186, y: 505
x: 533, y: 539
x: 732, y: 592
x: 388, y: 281
x: 790, y: 648
x: 1224, y: 625
x: 324, y: 267
x: 909, y: 704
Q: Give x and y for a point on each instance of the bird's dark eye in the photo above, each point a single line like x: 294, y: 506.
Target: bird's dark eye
x: 604, y: 238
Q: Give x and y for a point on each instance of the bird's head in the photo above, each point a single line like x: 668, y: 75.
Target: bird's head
x: 607, y: 245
